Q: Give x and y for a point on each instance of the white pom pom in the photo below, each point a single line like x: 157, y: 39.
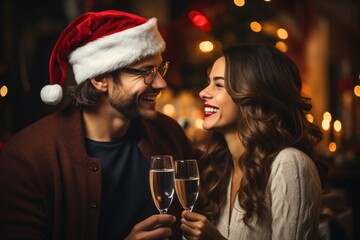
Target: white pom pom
x: 51, y: 94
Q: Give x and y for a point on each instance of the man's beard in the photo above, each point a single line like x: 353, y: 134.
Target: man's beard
x: 129, y: 108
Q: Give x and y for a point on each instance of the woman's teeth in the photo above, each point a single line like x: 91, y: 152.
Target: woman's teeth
x: 209, y: 110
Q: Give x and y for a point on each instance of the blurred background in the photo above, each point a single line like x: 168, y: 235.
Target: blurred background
x: 321, y: 36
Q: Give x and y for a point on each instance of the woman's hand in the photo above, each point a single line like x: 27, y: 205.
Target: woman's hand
x: 196, y: 226
x: 154, y: 227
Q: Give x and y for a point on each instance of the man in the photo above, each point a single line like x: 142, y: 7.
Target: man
x: 82, y: 172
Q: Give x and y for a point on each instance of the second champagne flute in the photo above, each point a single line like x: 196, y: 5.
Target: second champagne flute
x: 187, y: 182
x: 162, y: 181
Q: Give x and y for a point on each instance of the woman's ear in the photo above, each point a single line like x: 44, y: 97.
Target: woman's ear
x: 100, y: 83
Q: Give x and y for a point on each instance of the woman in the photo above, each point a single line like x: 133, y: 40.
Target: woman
x: 259, y: 176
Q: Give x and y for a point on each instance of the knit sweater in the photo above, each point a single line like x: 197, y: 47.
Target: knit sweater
x: 293, y: 197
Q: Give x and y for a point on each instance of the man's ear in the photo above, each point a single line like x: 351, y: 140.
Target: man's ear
x: 100, y: 82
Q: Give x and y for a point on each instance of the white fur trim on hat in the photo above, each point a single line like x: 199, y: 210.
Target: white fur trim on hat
x: 117, y: 50
x: 51, y: 94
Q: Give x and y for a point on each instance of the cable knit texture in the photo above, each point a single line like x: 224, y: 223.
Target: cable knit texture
x: 293, y: 197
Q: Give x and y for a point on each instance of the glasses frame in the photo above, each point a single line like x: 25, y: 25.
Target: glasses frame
x: 145, y: 73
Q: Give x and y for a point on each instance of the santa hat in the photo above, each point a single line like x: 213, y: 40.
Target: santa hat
x: 97, y: 43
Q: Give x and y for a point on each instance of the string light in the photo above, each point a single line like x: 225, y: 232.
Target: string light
x: 281, y: 46
x: 332, y: 147
x: 282, y: 33
x: 200, y: 20
x: 327, y: 116
x: 325, y: 124
x: 310, y: 117
x: 3, y: 91
x: 239, y: 3
x: 206, y: 46
x: 337, y: 126
x: 255, y: 26
x: 357, y: 90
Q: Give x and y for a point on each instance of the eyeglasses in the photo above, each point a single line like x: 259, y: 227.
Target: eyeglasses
x: 149, y: 75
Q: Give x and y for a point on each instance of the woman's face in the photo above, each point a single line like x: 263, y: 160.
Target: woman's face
x: 220, y: 111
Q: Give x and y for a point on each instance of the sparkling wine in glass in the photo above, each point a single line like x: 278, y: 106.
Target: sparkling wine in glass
x: 187, y: 182
x: 162, y: 181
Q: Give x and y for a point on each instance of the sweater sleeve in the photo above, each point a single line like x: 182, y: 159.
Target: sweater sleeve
x: 22, y: 214
x: 295, y: 192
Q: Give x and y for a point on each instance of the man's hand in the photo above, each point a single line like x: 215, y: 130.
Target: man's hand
x: 155, y: 227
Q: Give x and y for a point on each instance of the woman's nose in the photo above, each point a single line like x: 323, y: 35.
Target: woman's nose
x: 204, y: 94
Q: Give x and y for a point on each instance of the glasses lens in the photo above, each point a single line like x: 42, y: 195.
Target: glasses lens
x: 151, y: 75
x: 163, y: 68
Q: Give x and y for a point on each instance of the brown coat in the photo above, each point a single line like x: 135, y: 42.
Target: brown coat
x: 50, y: 188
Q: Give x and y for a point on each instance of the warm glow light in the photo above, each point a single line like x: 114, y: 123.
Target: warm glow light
x: 310, y: 117
x: 239, y: 3
x: 327, y: 116
x: 332, y: 147
x: 168, y: 109
x: 255, y: 26
x: 337, y: 126
x: 325, y: 124
x: 199, y: 123
x: 281, y: 46
x: 267, y: 0
x: 357, y: 90
x: 3, y: 91
x: 206, y: 46
x: 282, y: 33
x: 269, y: 28
x: 200, y: 20
x: 348, y: 97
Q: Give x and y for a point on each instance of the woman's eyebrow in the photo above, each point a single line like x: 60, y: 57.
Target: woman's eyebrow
x: 218, y: 78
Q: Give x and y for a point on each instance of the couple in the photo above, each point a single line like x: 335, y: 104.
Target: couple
x: 82, y: 172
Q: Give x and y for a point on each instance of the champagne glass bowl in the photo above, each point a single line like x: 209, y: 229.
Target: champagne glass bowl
x: 161, y: 178
x: 187, y: 182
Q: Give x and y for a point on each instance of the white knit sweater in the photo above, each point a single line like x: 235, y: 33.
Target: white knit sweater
x: 293, y: 198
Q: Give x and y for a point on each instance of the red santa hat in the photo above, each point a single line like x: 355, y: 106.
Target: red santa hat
x: 97, y: 43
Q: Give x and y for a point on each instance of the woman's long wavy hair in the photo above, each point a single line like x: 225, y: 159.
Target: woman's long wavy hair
x: 266, y: 86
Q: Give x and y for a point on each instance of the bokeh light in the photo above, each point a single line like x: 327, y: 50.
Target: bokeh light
x: 281, y: 46
x: 239, y: 3
x: 255, y: 26
x: 357, y: 91
x: 3, y: 91
x: 282, y: 33
x: 337, y: 126
x: 206, y: 46
x: 332, y: 147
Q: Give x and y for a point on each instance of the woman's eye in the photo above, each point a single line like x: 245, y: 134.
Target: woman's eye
x: 219, y: 85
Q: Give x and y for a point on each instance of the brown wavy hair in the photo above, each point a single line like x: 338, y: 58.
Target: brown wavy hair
x: 85, y: 95
x: 266, y: 86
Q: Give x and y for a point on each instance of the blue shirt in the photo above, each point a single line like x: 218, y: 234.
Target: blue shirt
x: 126, y: 197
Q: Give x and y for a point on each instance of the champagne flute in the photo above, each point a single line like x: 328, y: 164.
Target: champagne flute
x: 162, y: 181
x: 187, y: 182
